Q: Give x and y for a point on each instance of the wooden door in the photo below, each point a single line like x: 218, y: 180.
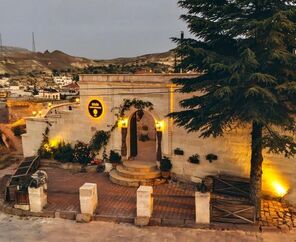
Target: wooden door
x: 133, y: 136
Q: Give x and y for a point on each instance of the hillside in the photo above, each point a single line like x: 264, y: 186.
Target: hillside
x: 19, y: 61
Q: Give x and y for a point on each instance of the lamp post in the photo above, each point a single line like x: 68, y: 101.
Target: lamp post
x: 123, y: 124
x: 159, y: 128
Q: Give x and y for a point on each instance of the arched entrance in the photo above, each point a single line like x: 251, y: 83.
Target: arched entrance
x: 142, y: 136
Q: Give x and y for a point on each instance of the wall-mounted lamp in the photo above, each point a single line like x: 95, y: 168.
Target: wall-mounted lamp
x: 39, y: 113
x: 49, y: 105
x: 123, y: 123
x: 159, y: 125
x: 34, y: 113
x: 77, y: 100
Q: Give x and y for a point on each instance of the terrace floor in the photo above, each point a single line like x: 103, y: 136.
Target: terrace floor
x: 172, y: 201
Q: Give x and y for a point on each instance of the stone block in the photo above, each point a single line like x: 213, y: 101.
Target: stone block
x: 22, y: 206
x: 108, y: 167
x: 202, y: 208
x: 142, y: 221
x: 37, y: 198
x: 88, y: 197
x: 67, y: 215
x: 83, y: 218
x: 144, y: 201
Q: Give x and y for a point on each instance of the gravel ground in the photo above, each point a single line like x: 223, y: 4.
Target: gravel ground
x: 14, y: 229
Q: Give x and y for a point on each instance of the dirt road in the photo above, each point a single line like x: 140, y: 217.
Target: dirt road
x: 17, y: 229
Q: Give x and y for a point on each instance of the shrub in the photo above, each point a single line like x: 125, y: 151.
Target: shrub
x: 194, y: 159
x: 211, y: 157
x: 19, y: 130
x: 144, y: 137
x: 99, y: 141
x: 45, y: 152
x: 178, y: 151
x: 165, y: 164
x: 63, y: 152
x: 114, y: 157
x: 82, y: 153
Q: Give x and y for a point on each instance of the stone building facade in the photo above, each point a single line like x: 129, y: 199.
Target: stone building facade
x: 78, y: 123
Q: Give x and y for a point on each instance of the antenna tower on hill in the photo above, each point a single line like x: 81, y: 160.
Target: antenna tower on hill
x: 33, y: 43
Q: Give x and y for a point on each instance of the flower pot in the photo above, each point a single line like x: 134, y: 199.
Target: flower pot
x: 108, y: 167
x: 166, y: 174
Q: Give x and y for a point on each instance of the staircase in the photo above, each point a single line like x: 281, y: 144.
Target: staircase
x: 135, y: 173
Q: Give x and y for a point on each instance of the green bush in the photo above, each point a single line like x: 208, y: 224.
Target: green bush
x: 114, y: 157
x: 194, y: 159
x: 82, y: 153
x: 45, y: 152
x: 165, y: 164
x: 144, y: 137
x: 63, y: 152
x: 19, y: 130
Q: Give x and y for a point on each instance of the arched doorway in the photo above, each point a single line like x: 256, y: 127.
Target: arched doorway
x: 142, y: 136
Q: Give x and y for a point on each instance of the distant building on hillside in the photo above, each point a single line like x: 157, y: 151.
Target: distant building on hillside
x: 49, y: 93
x: 70, y: 90
x: 62, y: 80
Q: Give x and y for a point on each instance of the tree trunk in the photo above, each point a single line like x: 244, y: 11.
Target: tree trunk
x: 256, y: 167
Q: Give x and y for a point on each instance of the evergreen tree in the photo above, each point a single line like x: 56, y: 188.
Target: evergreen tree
x: 244, y: 49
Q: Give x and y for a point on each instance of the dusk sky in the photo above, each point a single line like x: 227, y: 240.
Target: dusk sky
x: 92, y: 28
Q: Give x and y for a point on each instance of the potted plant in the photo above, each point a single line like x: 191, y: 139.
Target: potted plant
x: 211, y: 157
x: 178, y: 151
x: 114, y: 158
x: 194, y: 159
x: 165, y: 167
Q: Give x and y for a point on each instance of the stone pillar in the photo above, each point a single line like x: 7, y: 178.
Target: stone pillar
x: 144, y: 205
x: 159, y: 139
x: 37, y: 198
x: 88, y: 197
x: 202, y: 208
x: 123, y: 142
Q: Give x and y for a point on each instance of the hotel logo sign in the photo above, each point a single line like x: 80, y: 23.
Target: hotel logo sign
x: 95, y: 108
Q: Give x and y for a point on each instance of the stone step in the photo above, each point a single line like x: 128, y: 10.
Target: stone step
x: 124, y: 181
x: 140, y: 166
x: 122, y: 171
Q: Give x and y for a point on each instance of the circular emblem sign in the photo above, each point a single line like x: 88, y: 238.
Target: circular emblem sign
x: 95, y: 108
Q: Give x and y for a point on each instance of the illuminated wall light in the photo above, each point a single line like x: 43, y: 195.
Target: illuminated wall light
x: 34, y: 113
x: 49, y: 105
x: 159, y: 125
x: 280, y: 190
x: 77, y: 100
x: 39, y: 113
x: 123, y: 123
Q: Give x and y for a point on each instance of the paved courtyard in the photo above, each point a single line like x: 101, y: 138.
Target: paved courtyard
x: 173, y: 203
x: 170, y: 201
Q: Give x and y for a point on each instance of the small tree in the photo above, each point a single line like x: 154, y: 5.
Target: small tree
x: 244, y: 50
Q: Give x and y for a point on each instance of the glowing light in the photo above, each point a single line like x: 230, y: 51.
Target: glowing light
x: 280, y: 190
x: 77, y: 100
x: 53, y: 143
x: 39, y: 113
x: 49, y: 105
x: 123, y: 123
x: 159, y: 125
x: 34, y: 113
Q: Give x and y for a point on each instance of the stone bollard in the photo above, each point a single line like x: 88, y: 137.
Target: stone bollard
x: 88, y: 197
x: 37, y: 198
x: 202, y: 208
x: 144, y: 205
